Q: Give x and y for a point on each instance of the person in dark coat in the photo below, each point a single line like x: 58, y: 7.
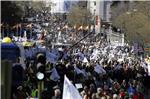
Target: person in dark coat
x: 57, y: 94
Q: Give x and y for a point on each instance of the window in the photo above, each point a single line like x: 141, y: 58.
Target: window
x: 95, y: 3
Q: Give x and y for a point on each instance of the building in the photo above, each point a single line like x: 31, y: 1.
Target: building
x: 58, y: 6
x: 62, y: 6
x: 101, y: 11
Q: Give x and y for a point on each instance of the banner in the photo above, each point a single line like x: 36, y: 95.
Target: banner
x: 69, y: 90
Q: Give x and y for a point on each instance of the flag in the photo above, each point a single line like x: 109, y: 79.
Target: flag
x: 120, y: 60
x: 74, y: 27
x: 78, y: 71
x: 81, y: 56
x: 117, y: 67
x: 80, y: 28
x: 79, y: 85
x: 94, y: 55
x: 99, y: 69
x: 87, y: 27
x: 69, y: 90
x: 85, y: 60
x: 54, y: 76
x: 102, y: 60
x: 52, y: 58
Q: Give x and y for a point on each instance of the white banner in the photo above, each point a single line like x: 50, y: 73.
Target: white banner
x: 69, y: 90
x: 148, y: 69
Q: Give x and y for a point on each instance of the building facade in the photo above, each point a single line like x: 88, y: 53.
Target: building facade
x: 101, y: 11
x: 58, y: 6
x: 62, y: 6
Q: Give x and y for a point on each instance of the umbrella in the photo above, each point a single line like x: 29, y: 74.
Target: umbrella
x: 27, y: 44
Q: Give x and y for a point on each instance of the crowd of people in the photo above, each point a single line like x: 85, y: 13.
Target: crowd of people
x: 98, y: 69
x: 102, y: 71
x: 32, y: 31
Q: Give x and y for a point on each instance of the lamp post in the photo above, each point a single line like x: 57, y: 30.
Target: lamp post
x: 40, y: 76
x: 94, y: 20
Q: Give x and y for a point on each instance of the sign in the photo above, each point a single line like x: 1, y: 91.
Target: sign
x: 147, y: 49
x: 79, y: 85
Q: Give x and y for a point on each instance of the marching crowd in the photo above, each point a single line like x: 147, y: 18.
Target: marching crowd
x: 98, y: 71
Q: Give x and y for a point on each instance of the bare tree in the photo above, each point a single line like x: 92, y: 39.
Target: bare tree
x: 79, y: 16
x: 134, y: 21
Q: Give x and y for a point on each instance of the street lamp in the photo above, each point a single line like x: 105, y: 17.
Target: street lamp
x: 40, y: 76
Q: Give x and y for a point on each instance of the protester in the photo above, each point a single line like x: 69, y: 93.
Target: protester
x: 103, y: 70
x: 57, y: 94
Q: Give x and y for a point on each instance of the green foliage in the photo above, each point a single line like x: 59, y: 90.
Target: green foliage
x: 135, y: 23
x: 11, y: 12
x: 79, y: 16
x: 144, y: 7
x: 40, y: 6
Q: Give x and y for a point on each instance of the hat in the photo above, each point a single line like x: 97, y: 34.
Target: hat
x: 99, y: 89
x: 6, y: 40
x: 115, y: 95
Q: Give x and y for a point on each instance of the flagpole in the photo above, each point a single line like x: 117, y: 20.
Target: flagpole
x: 40, y: 88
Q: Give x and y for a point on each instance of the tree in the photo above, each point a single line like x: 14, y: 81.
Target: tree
x: 144, y: 7
x: 79, y: 16
x: 12, y: 12
x: 40, y: 6
x: 134, y: 22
